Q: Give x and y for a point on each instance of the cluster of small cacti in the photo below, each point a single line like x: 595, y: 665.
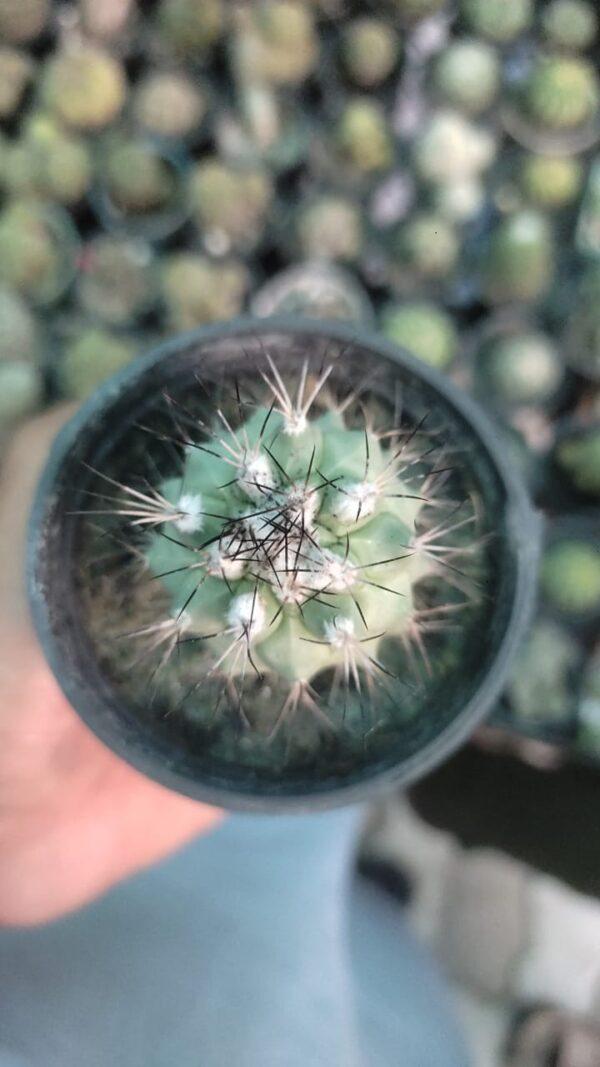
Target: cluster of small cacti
x: 429, y: 168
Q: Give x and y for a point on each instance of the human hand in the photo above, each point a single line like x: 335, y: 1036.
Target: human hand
x: 74, y: 819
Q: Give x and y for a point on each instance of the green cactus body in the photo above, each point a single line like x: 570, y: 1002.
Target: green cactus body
x: 570, y: 577
x: 588, y: 711
x: 363, y: 137
x: 571, y: 24
x: 330, y: 228
x: 138, y: 179
x: 562, y: 92
x: 191, y: 28
x: 37, y: 250
x: 519, y: 260
x: 230, y: 204
x: 275, y: 43
x: 521, y: 368
x: 20, y: 391
x: 424, y: 329
x: 370, y: 50
x: 498, y: 20
x: 292, y: 543
x: 578, y: 457
x: 169, y: 105
x: 116, y: 280
x: 196, y: 290
x: 467, y: 75
x: 550, y: 182
x: 16, y: 69
x: 92, y: 355
x: 451, y: 148
x: 541, y: 684
x: 427, y: 245
x: 84, y: 86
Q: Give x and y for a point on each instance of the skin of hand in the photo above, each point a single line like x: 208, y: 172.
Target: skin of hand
x: 74, y: 818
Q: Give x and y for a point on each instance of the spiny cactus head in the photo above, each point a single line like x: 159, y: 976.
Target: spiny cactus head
x: 84, y: 86
x: 571, y: 24
x: 138, y: 178
x: 169, y: 104
x: 459, y: 201
x: 424, y: 329
x: 451, y: 148
x: 116, y: 279
x: 363, y: 136
x: 190, y: 28
x: 37, y: 250
x: 570, y: 576
x: 562, y: 92
x: 427, y: 245
x: 330, y: 228
x: 369, y: 51
x: 498, y: 20
x: 197, y: 290
x: 550, y: 181
x: 21, y: 390
x: 16, y: 70
x: 467, y: 75
x: 540, y: 687
x: 519, y: 260
x: 302, y: 551
x: 19, y: 336
x: 230, y: 203
x: 276, y: 42
x: 91, y: 356
x: 520, y: 367
x: 22, y: 21
x: 577, y: 455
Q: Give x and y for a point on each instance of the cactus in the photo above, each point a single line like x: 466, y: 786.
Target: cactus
x: 581, y: 337
x: 519, y: 259
x: 452, y: 149
x: 191, y: 28
x: 89, y: 357
x: 523, y: 367
x: 116, y: 280
x: 288, y: 557
x: 498, y: 20
x: 571, y: 24
x: 562, y: 92
x: 541, y: 685
x: 427, y: 246
x: 197, y: 291
x: 459, y: 201
x: 363, y: 137
x: 425, y: 329
x: 570, y: 576
x: 577, y: 455
x: 169, y: 105
x: 37, y: 250
x: 19, y: 332
x: 275, y: 42
x: 138, y: 179
x: 21, y: 390
x: 330, y: 228
x: 315, y: 290
x: 550, y: 182
x: 22, y: 21
x: 467, y: 75
x: 84, y: 86
x: 369, y: 51
x: 229, y: 204
x: 16, y: 70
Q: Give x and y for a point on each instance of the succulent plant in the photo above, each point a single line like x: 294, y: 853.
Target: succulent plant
x: 169, y: 104
x: 459, y: 201
x: 229, y: 204
x: 196, y: 290
x: 21, y: 390
x: 541, y: 688
x: 577, y: 455
x: 581, y: 331
x: 314, y: 290
x: 22, y: 21
x: 16, y: 70
x: 330, y: 228
x: 451, y: 149
x: 369, y: 51
x: 363, y: 136
x: 48, y: 162
x: 498, y: 20
x: 520, y: 367
x: 84, y: 86
x: 19, y: 332
x: 107, y: 21
x: 427, y: 246
x: 275, y: 42
x: 37, y: 250
x: 518, y: 262
x: 467, y: 75
x: 424, y: 329
x: 571, y: 24
x: 562, y: 92
x: 137, y: 177
x: 550, y: 182
x: 190, y: 28
x: 91, y: 356
x: 570, y: 576
x: 116, y: 280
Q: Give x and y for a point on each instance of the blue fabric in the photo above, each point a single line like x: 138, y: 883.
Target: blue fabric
x: 253, y: 947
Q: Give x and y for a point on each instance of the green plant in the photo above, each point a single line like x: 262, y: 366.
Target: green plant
x: 191, y: 28
x: 37, y: 250
x: 467, y: 75
x: 275, y: 42
x: 540, y: 687
x: 427, y: 245
x: 90, y: 356
x: 521, y: 367
x: 330, y: 228
x: 169, y: 104
x: 570, y: 23
x: 578, y: 456
x: 117, y: 279
x: 196, y: 291
x: 498, y: 20
x: 550, y: 181
x: 16, y: 70
x: 84, y: 86
x: 519, y: 259
x: 570, y: 576
x: 138, y: 179
x: 230, y: 203
x: 369, y: 50
x: 424, y: 329
x: 363, y: 137
x: 450, y: 148
x: 562, y: 92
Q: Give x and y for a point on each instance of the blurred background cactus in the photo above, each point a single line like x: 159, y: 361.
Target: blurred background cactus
x: 430, y: 167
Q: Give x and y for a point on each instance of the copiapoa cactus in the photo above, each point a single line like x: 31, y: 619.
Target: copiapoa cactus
x: 330, y: 228
x: 570, y: 576
x: 38, y: 248
x: 229, y: 204
x: 519, y: 260
x: 190, y: 28
x: 519, y: 367
x: 169, y: 104
x: 467, y: 75
x: 363, y: 137
x: 550, y: 182
x: 116, y: 281
x: 84, y: 86
x: 369, y: 51
x: 451, y: 148
x: 571, y: 24
x: 541, y: 686
x: 89, y: 356
x: 424, y: 329
x: 562, y: 92
x: 581, y: 331
x: 427, y: 246
x: 196, y: 290
x: 275, y: 42
x: 498, y: 20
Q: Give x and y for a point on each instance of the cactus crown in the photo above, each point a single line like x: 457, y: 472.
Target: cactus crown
x: 295, y: 562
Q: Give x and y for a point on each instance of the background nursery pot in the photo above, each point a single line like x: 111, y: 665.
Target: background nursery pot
x: 265, y: 685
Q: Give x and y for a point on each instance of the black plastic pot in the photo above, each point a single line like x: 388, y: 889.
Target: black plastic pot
x: 158, y: 747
